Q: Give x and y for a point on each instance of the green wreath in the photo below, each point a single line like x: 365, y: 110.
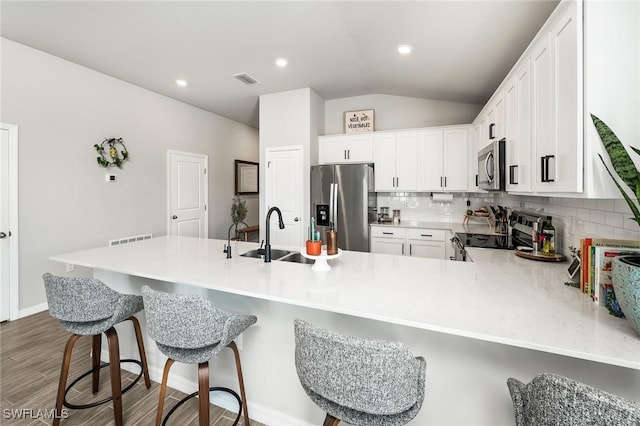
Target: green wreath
x: 113, y: 158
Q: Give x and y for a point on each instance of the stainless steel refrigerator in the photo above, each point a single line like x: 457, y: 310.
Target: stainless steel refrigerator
x: 344, y: 194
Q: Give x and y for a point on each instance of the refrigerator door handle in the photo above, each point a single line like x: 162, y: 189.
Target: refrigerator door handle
x: 334, y: 202
x: 331, y: 202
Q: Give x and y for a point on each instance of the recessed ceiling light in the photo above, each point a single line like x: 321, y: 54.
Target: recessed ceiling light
x: 405, y: 49
x: 181, y: 83
x: 281, y: 62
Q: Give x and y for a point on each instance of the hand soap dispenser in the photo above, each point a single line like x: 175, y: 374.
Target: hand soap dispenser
x: 332, y: 240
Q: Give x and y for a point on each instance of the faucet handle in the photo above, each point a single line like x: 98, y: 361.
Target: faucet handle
x: 261, y: 244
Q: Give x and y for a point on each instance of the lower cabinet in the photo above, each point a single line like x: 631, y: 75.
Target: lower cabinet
x: 416, y: 242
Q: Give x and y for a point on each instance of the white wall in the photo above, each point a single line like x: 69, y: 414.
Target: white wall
x: 62, y: 110
x: 399, y: 112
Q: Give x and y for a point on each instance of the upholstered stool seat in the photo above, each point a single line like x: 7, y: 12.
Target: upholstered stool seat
x: 193, y: 330
x: 362, y: 382
x: 88, y: 307
x: 550, y: 399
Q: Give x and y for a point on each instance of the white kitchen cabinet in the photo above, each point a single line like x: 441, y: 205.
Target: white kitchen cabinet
x: 495, y: 119
x: 518, y: 103
x: 428, y: 243
x: 417, y: 242
x: 443, y: 157
x: 396, y: 161
x: 356, y: 148
x: 474, y: 147
x: 388, y: 240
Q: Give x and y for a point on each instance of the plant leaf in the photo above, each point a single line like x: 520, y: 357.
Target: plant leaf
x: 632, y: 206
x: 620, y: 159
x: 636, y: 150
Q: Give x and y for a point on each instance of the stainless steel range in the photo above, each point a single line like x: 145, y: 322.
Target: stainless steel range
x: 521, y: 226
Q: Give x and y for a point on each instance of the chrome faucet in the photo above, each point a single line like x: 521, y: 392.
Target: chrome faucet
x: 267, y: 246
x: 227, y: 248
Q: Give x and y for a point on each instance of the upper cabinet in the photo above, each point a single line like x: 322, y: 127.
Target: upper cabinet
x: 396, y: 161
x: 356, y: 148
x: 443, y: 157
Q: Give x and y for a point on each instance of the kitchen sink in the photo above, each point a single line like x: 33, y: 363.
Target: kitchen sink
x: 296, y: 257
x: 275, y: 254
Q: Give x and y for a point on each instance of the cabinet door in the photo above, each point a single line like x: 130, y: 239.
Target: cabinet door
x: 431, y: 160
x: 511, y: 134
x: 406, y: 161
x: 333, y: 149
x: 432, y: 249
x: 524, y: 128
x: 544, y: 146
x: 455, y: 159
x: 387, y: 246
x: 385, y: 161
x: 360, y: 148
x: 568, y: 111
x: 499, y: 128
x: 473, y: 160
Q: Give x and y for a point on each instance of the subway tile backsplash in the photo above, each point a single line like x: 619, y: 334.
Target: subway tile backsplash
x: 573, y: 218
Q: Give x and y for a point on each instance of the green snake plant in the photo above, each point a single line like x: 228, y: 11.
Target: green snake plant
x: 622, y: 164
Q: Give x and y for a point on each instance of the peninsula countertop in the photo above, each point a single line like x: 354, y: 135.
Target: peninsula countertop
x: 498, y: 298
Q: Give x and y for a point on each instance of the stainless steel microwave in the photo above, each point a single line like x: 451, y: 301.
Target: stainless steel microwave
x: 491, y: 170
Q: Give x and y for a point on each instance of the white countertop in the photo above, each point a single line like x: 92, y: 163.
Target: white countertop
x: 498, y: 298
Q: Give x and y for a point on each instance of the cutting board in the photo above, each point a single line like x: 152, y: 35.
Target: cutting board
x: 533, y: 255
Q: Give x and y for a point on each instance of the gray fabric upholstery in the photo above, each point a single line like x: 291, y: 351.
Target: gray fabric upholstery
x: 550, y: 399
x: 190, y: 329
x: 87, y: 306
x: 362, y: 382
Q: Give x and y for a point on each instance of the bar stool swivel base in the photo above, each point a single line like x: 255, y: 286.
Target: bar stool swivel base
x: 211, y: 389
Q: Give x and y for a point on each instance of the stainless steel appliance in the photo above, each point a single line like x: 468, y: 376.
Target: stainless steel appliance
x: 521, y: 224
x: 344, y: 194
x: 491, y: 170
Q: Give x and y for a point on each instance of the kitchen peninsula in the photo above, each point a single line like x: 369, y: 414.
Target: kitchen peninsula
x: 476, y: 323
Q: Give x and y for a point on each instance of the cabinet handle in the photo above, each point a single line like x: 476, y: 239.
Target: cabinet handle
x: 544, y: 165
x: 345, y: 154
x: 387, y: 233
x: 348, y: 154
x: 410, y: 250
x: 476, y: 180
x: 426, y: 235
x: 513, y: 175
x: 440, y: 181
x: 403, y: 249
x: 491, y: 135
x: 397, y: 181
x: 445, y: 181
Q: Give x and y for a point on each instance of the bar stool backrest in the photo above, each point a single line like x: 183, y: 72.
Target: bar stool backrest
x: 550, y: 399
x: 181, y: 320
x: 79, y: 299
x: 371, y: 376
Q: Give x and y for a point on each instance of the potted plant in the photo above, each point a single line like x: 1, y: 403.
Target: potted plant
x: 626, y: 269
x: 238, y: 212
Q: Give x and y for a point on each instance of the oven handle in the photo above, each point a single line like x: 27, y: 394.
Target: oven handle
x: 490, y: 176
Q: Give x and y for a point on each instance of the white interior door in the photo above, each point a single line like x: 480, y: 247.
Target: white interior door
x: 188, y: 194
x: 284, y: 182
x: 8, y: 222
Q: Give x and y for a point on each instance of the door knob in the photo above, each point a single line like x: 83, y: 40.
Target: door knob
x: 295, y: 219
x: 174, y: 217
x: 3, y: 235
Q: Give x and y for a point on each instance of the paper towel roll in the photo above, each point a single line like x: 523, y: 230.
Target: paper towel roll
x: 437, y: 196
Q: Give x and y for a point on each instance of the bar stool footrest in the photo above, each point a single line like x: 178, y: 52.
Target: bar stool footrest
x: 215, y: 388
x: 85, y: 374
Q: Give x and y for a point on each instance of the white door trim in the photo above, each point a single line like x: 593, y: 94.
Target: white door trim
x: 14, y: 273
x: 171, y: 152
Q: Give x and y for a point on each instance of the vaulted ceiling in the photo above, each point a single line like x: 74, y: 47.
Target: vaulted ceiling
x: 461, y: 49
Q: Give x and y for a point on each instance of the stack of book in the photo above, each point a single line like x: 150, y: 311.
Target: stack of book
x: 596, y: 255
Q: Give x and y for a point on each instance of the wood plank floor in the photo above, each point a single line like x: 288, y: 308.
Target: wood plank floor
x: 31, y: 351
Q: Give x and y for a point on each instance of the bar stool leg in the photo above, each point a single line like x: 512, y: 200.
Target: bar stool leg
x: 114, y: 370
x: 234, y: 348
x: 330, y: 421
x: 141, y: 351
x: 163, y: 390
x: 64, y: 373
x: 203, y: 392
x: 96, y: 349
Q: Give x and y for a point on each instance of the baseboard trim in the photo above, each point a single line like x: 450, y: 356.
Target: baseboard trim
x: 33, y: 310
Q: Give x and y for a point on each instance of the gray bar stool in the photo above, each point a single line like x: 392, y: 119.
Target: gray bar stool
x: 361, y: 382
x: 88, y: 307
x: 192, y: 330
x: 550, y: 400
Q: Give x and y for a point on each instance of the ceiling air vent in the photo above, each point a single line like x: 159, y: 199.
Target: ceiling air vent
x: 246, y: 78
